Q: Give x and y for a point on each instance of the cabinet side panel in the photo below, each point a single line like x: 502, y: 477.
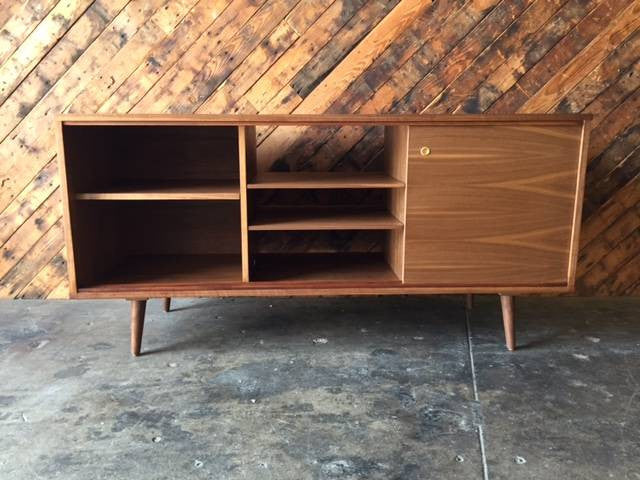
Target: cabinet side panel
x: 577, y: 210
x: 66, y: 207
x: 491, y: 205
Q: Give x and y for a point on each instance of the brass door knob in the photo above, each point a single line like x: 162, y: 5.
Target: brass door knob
x: 424, y: 151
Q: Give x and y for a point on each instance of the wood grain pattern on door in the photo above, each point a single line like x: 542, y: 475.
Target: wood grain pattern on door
x: 491, y: 205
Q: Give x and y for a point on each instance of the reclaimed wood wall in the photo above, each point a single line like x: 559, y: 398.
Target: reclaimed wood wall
x: 303, y: 56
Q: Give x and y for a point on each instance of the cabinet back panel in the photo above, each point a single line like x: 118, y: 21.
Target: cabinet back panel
x: 491, y: 205
x: 110, y: 155
x: 181, y: 228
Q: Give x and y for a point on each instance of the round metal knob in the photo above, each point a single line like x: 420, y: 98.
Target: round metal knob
x: 424, y: 151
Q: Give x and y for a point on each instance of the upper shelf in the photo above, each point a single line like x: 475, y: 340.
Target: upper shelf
x: 168, y: 190
x: 323, y: 219
x: 351, y: 180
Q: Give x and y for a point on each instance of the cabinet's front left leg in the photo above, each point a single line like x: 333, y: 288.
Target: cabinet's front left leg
x: 167, y: 304
x: 138, y: 308
x: 508, y: 314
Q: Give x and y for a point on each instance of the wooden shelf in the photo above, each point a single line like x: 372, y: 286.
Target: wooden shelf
x: 323, y: 219
x: 148, y: 272
x: 169, y: 190
x: 323, y: 268
x: 352, y: 180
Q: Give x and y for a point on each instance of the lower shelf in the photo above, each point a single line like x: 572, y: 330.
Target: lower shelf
x: 147, y: 272
x: 189, y: 273
x: 323, y: 269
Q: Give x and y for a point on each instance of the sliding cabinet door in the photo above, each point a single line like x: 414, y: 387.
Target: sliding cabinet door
x: 491, y: 205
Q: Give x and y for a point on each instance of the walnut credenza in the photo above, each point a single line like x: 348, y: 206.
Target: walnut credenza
x: 158, y: 206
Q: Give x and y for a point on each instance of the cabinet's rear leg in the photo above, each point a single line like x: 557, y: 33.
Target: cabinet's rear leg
x: 138, y: 308
x: 167, y: 304
x: 508, y: 313
x: 469, y: 301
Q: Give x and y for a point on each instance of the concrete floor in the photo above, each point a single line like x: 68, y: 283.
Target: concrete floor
x: 348, y: 388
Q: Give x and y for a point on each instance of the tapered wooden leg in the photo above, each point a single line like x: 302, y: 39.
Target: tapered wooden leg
x: 508, y: 313
x: 167, y: 304
x: 469, y: 301
x: 138, y: 308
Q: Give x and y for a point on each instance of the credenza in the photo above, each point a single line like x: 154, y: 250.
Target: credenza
x: 161, y: 206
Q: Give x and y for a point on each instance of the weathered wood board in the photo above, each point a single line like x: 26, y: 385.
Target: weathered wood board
x: 304, y: 56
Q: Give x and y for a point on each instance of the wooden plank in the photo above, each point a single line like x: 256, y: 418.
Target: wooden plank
x: 601, y: 246
x: 526, y: 25
x: 29, y: 232
x: 606, y: 215
x: 620, y: 28
x: 617, y: 152
x: 28, y: 201
x: 171, y: 271
x: 619, y: 118
x: 8, y: 10
x: 116, y: 70
x: 38, y: 43
x: 43, y: 284
x: 576, y: 223
x: 362, y: 55
x: 164, y: 56
x: 602, y: 189
x: 246, y: 158
x: 322, y: 219
x: 234, y: 51
x: 174, y: 190
x: 332, y: 53
x: 227, y: 95
x: 396, y: 163
x: 626, y: 275
x: 60, y: 292
x: 281, y: 72
x: 320, y: 120
x: 287, y: 180
x: 460, y: 57
x: 57, y: 61
x: 548, y: 32
x: 36, y: 130
x: 292, y: 289
x: 613, y: 69
x: 328, y: 269
x: 193, y: 67
x: 557, y: 58
x: 32, y: 262
x: 21, y: 24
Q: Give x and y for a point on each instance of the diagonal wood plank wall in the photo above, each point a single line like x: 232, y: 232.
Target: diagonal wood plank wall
x: 248, y: 56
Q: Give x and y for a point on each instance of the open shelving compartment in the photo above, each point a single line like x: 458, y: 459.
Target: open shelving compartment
x: 328, y: 228
x: 153, y: 207
x: 156, y: 209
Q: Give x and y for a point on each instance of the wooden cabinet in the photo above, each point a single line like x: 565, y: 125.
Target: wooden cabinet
x: 162, y: 206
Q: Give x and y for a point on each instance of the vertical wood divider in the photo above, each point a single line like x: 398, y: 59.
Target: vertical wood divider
x: 247, y: 169
x: 396, y: 156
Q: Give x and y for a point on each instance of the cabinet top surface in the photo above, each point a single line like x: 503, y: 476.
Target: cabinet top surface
x: 317, y: 119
